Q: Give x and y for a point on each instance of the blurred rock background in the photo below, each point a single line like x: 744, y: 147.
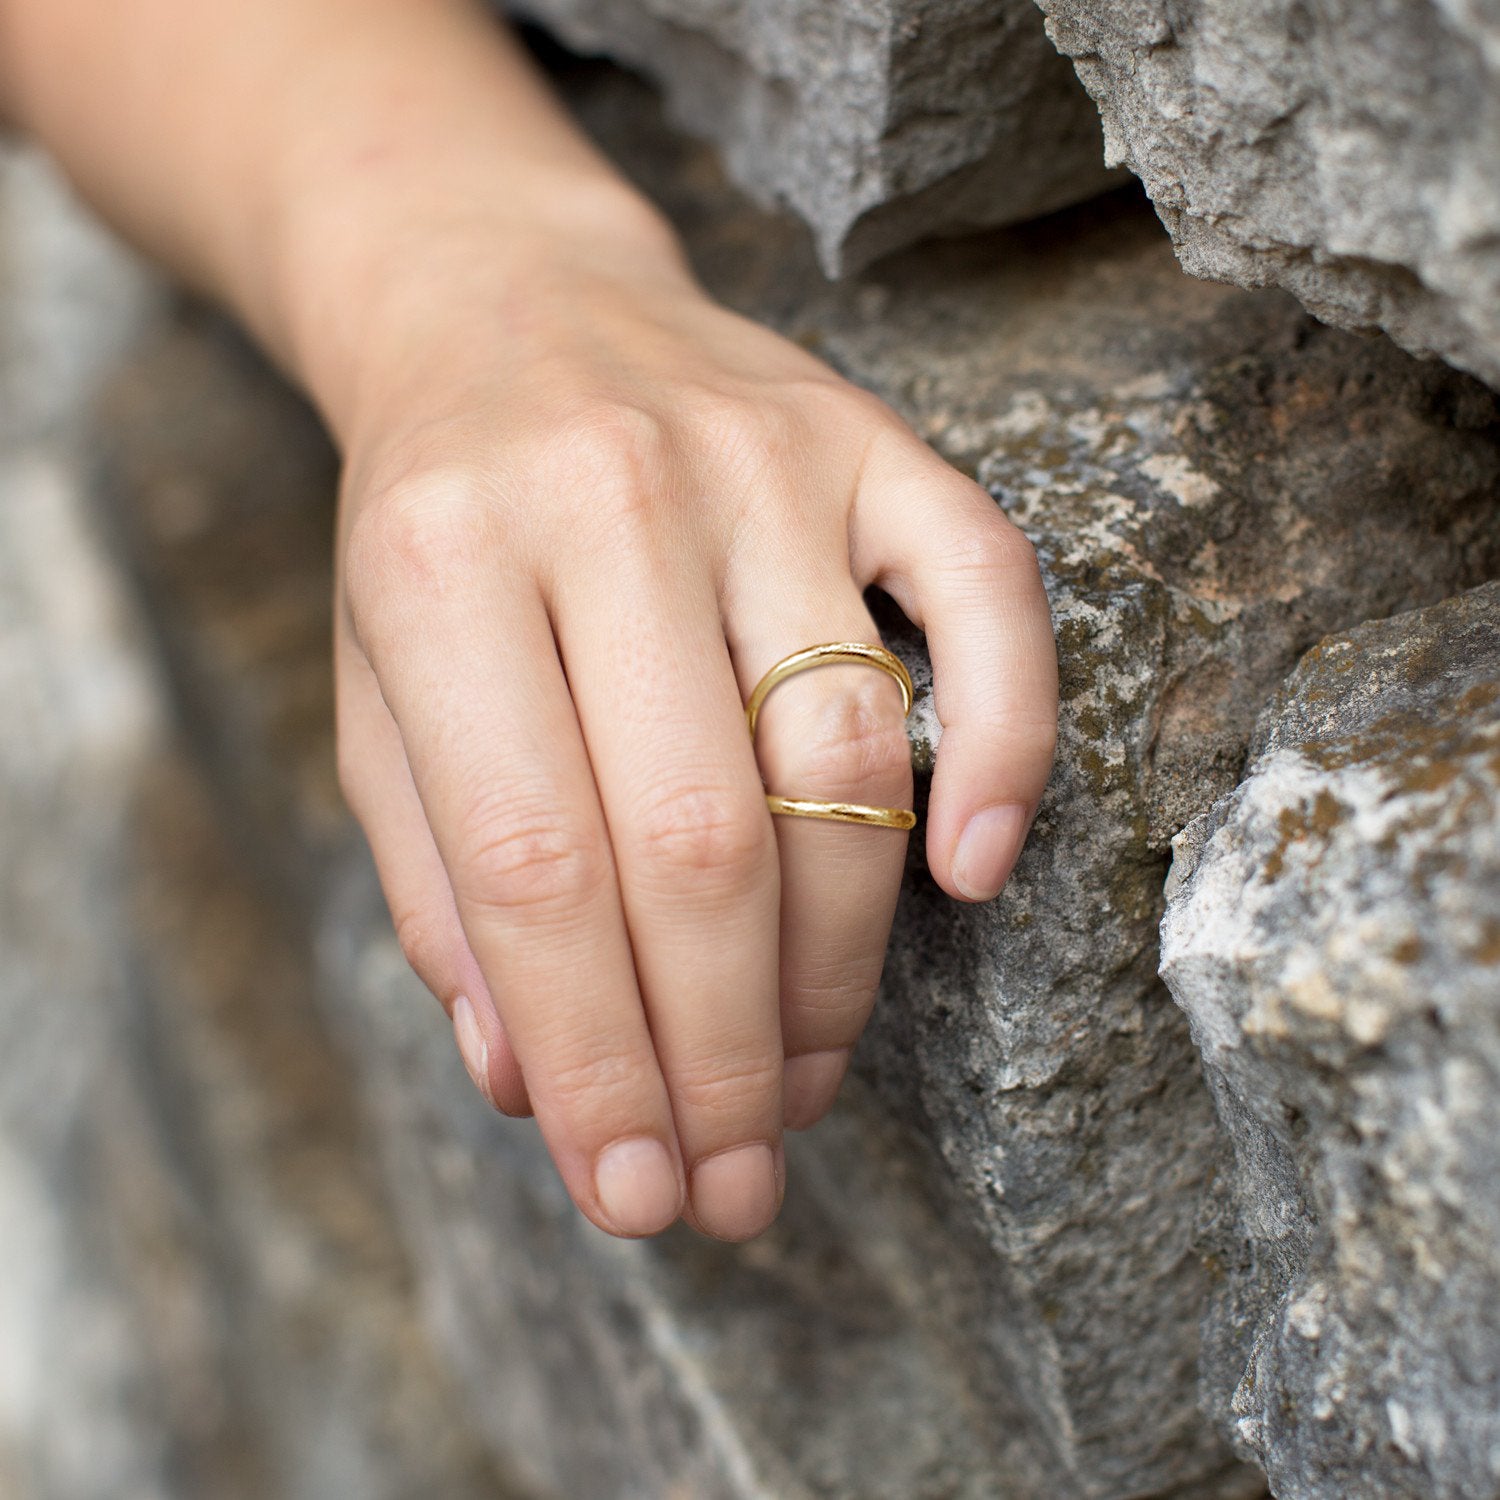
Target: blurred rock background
x: 200, y: 1291
x: 1071, y: 1233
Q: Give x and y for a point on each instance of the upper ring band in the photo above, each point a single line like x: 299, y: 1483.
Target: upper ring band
x: 823, y: 655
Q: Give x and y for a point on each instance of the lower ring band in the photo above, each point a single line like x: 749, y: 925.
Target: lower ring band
x: 843, y: 812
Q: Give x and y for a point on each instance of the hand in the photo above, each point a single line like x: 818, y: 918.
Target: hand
x: 584, y: 510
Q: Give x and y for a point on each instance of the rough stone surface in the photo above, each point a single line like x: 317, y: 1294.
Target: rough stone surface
x: 984, y: 1284
x: 1343, y: 149
x: 878, y: 121
x: 80, y: 711
x: 201, y: 1297
x: 1335, y: 939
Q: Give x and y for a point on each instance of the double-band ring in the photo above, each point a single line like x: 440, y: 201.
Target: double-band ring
x: 818, y: 656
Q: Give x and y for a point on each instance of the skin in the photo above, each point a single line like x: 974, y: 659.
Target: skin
x: 584, y: 508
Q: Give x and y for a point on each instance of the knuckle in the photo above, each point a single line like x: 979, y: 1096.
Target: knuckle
x: 518, y: 865
x: 855, y: 746
x: 745, y: 434
x: 621, y: 447
x: 729, y: 1090
x: 419, y: 534
x: 1041, y: 731
x: 1028, y: 735
x: 711, y: 411
x: 837, y: 989
x: 699, y: 834
x: 991, y: 551
x: 581, y: 1084
x: 420, y: 941
x: 829, y: 397
x: 612, y: 458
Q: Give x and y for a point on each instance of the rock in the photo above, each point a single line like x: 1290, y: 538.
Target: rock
x: 82, y: 713
x: 878, y: 121
x: 72, y: 302
x: 985, y: 1282
x: 1334, y: 938
x: 202, y: 1294
x: 1196, y: 519
x: 1345, y: 150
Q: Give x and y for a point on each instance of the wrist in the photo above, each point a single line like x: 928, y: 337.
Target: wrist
x: 417, y: 161
x: 380, y: 280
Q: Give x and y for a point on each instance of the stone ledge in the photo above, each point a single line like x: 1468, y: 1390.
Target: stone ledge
x: 878, y: 122
x: 1345, y: 151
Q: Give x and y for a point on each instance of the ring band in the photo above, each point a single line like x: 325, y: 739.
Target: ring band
x: 818, y: 656
x: 843, y: 812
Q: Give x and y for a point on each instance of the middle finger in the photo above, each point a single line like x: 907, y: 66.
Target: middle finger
x: 644, y: 650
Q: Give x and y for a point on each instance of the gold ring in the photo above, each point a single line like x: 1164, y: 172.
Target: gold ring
x: 818, y: 656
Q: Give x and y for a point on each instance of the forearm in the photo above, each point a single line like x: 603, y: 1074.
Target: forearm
x: 305, y: 160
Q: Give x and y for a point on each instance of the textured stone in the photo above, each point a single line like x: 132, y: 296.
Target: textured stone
x: 200, y: 1291
x: 878, y: 121
x: 81, y: 714
x: 984, y: 1283
x: 1334, y: 937
x: 1344, y: 150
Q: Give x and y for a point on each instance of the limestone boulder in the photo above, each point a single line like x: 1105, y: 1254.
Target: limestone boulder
x: 1334, y: 937
x: 878, y: 122
x: 1343, y: 150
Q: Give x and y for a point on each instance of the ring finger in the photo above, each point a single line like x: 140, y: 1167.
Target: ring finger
x: 833, y: 733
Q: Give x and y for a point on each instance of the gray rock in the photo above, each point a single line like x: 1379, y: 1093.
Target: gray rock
x: 1334, y: 937
x: 1344, y: 150
x: 202, y: 1296
x: 985, y: 1282
x: 877, y: 121
x: 82, y: 713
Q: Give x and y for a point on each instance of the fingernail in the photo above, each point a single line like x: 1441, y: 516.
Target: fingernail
x: 473, y: 1048
x: 987, y: 850
x: 809, y: 1085
x: 734, y: 1193
x: 637, y: 1186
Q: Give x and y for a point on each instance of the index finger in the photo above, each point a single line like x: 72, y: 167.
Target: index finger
x: 961, y: 571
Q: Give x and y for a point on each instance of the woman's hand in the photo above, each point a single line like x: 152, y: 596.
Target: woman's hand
x: 585, y: 510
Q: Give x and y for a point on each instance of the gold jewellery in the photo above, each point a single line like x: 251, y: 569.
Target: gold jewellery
x: 818, y: 656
